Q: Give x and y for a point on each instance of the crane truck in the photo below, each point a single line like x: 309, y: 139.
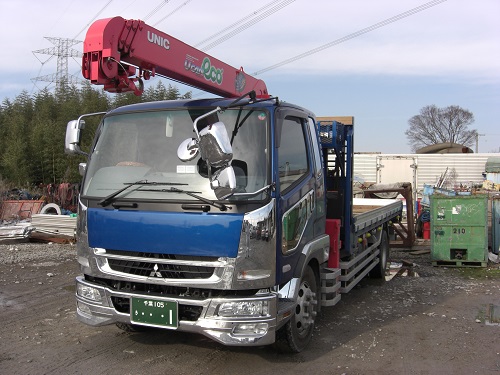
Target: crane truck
x: 232, y: 217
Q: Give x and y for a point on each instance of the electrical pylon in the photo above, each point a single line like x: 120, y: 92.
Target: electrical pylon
x: 62, y: 49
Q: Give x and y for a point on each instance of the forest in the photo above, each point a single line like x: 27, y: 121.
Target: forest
x: 33, y: 129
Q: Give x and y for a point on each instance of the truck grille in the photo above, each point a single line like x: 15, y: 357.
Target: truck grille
x: 166, y: 266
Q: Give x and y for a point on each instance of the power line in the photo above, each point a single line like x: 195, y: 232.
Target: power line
x: 378, y: 25
x: 128, y: 6
x: 97, y: 15
x: 251, y: 22
x: 158, y: 7
x: 69, y: 5
x: 236, y: 23
x: 172, y: 12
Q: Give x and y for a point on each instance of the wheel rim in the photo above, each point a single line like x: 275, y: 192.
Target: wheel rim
x: 305, y: 309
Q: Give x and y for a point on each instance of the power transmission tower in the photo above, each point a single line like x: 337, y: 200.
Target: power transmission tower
x: 62, y: 49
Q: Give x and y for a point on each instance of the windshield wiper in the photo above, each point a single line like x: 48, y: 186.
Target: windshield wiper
x: 220, y: 206
x: 107, y: 200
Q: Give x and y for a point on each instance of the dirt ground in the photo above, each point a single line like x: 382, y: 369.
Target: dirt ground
x: 436, y: 323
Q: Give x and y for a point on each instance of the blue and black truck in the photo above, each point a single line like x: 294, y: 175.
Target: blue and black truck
x: 230, y: 217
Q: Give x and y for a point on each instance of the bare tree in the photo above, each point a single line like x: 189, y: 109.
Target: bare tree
x: 440, y: 125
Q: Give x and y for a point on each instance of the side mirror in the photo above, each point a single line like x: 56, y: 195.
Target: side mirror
x: 72, y: 141
x: 215, y: 145
x: 223, y: 182
x: 188, y: 150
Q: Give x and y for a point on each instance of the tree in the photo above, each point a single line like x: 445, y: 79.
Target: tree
x: 160, y: 92
x: 32, y: 130
x: 15, y: 157
x: 441, y: 125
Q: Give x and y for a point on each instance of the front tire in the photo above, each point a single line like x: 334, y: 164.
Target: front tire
x: 298, y: 331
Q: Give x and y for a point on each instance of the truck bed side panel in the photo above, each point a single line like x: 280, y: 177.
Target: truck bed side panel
x: 378, y: 211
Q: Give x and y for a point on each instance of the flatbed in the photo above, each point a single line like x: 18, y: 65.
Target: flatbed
x: 370, y: 212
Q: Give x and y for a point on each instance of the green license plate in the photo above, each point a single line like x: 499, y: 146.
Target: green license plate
x: 153, y: 312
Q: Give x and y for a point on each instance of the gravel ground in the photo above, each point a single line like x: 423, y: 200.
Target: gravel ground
x: 35, y: 252
x: 433, y: 323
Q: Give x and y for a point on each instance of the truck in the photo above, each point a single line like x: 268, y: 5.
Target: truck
x: 232, y: 216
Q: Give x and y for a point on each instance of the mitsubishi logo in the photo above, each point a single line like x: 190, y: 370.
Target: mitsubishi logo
x: 155, y: 272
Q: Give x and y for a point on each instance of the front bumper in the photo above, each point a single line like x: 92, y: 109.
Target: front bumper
x: 235, y: 331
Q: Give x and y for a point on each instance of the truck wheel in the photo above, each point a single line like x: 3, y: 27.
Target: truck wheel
x: 297, y: 332
x: 379, y: 271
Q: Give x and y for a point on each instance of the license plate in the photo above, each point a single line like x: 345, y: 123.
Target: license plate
x: 153, y: 312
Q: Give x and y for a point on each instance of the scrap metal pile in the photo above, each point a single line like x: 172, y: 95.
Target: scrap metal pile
x: 46, y: 216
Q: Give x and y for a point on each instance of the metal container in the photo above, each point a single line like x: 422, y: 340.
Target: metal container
x: 459, y: 230
x: 495, y: 225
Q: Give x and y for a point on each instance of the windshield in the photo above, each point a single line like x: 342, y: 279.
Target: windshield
x: 143, y: 147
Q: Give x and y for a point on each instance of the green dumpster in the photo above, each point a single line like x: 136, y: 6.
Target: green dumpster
x: 459, y: 230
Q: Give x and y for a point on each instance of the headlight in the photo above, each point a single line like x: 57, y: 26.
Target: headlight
x: 88, y: 292
x: 250, y: 308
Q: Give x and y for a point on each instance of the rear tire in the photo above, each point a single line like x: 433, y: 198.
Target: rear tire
x: 297, y: 332
x: 378, y: 272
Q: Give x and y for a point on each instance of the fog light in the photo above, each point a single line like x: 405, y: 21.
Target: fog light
x: 250, y: 308
x: 88, y: 292
x: 251, y: 329
x: 84, y: 308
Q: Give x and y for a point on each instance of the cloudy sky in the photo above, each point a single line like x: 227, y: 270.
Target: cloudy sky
x: 379, y: 61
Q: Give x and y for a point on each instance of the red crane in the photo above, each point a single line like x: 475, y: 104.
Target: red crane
x: 119, y: 54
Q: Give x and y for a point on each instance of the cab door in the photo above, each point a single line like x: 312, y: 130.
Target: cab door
x: 296, y: 188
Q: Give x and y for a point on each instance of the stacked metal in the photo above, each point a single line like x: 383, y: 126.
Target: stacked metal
x: 19, y: 232
x: 54, y: 224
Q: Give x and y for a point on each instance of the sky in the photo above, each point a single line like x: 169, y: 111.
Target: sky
x: 379, y: 61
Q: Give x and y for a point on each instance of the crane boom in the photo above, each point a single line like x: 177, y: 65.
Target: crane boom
x: 114, y: 48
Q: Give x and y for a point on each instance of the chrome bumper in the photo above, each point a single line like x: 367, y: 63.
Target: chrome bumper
x: 209, y: 324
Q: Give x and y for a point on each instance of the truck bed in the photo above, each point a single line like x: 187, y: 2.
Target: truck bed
x: 369, y: 213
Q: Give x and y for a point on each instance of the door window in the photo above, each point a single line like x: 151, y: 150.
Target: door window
x: 292, y: 153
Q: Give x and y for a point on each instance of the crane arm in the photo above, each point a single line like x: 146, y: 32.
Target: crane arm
x: 115, y: 48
